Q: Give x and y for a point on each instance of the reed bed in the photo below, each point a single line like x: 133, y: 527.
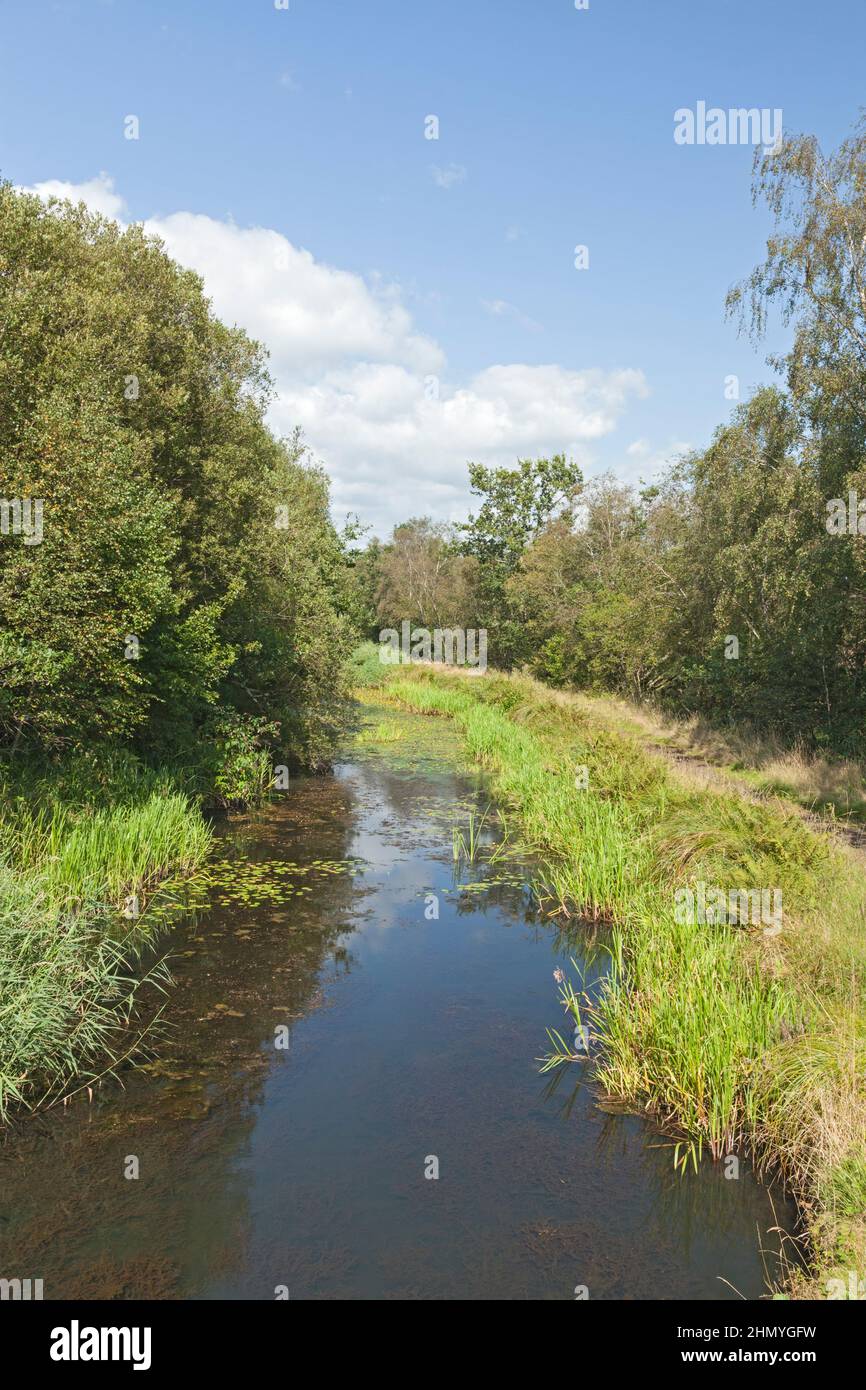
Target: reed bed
x: 70, y: 960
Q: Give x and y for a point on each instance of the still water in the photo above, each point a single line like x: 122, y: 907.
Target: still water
x: 328, y: 1037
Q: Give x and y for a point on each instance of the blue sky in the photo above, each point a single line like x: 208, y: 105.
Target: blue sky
x: 383, y: 259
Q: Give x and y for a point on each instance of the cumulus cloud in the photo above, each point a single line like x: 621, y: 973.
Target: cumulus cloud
x: 309, y: 314
x: 373, y: 393
x: 99, y: 194
x: 409, y: 450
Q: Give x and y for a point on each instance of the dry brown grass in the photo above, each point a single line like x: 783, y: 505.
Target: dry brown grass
x: 758, y: 759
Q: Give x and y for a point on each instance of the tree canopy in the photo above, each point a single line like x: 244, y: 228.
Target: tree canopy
x: 189, y: 585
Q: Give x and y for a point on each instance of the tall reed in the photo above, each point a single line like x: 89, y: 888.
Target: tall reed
x: 70, y: 973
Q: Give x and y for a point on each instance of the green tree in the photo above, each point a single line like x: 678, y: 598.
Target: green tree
x: 172, y: 516
x: 517, y: 503
x: 424, y: 578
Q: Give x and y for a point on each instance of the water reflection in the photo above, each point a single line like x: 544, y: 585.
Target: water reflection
x: 410, y: 1036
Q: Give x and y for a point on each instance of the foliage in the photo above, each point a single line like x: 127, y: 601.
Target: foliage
x: 517, y: 504
x: 188, y: 560
x: 366, y: 667
x: 719, y: 590
x: 76, y: 844
x: 423, y: 578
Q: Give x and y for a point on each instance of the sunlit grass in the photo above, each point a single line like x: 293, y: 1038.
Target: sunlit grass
x: 74, y: 885
x: 386, y: 731
x: 735, y: 1043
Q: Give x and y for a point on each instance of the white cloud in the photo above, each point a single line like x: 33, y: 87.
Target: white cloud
x: 408, y: 452
x: 449, y: 176
x: 307, y: 313
x: 371, y: 391
x: 98, y: 194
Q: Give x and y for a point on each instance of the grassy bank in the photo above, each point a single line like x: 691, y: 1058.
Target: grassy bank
x: 734, y: 1038
x: 831, y: 785
x: 80, y: 855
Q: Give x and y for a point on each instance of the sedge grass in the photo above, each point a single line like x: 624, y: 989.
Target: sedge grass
x: 69, y: 981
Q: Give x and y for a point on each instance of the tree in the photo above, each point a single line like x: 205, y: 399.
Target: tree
x: 815, y: 271
x: 364, y: 580
x: 517, y: 504
x: 424, y: 578
x: 188, y: 563
x: 593, y: 592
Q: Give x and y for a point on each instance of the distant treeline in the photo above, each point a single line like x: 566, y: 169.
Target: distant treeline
x: 736, y: 585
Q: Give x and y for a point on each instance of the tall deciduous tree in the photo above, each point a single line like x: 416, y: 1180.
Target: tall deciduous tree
x: 187, y: 561
x: 517, y: 503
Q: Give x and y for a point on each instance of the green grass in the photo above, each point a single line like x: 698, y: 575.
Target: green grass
x: 735, y: 1042
x: 466, y: 844
x: 70, y: 974
x: 365, y: 668
x: 386, y: 731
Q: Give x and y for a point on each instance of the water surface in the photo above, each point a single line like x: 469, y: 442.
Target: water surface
x: 411, y: 1038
